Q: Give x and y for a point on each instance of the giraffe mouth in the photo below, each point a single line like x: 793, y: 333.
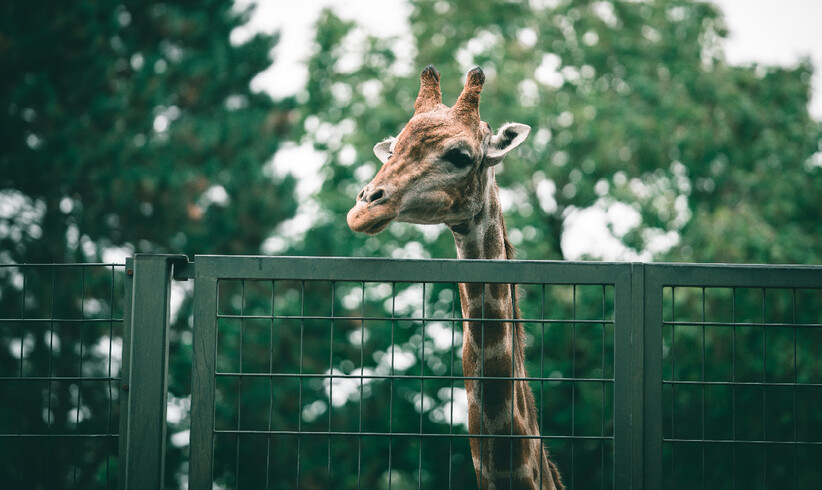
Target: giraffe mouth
x: 365, y: 219
x: 379, y: 226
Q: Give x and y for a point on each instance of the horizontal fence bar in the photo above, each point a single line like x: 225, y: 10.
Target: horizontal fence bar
x: 409, y: 271
x: 742, y: 383
x: 428, y: 319
x: 61, y: 320
x: 365, y: 269
x: 742, y: 324
x: 743, y: 441
x: 735, y: 276
x: 113, y: 435
x: 45, y: 266
x: 411, y: 377
x: 426, y: 435
x: 59, y: 378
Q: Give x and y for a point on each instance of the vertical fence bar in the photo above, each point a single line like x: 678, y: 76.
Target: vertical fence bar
x: 626, y: 320
x: 201, y: 460
x: 145, y: 376
x: 128, y: 291
x: 652, y: 377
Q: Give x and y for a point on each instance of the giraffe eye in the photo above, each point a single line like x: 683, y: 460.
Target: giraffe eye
x: 458, y: 158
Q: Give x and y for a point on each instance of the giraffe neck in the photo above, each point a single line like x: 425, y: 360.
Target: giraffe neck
x: 495, y: 349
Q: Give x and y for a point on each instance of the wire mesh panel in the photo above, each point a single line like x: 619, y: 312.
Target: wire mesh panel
x: 348, y: 373
x: 740, y: 381
x: 355, y: 379
x: 60, y: 350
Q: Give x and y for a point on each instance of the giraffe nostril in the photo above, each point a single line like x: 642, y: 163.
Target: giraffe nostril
x: 371, y: 196
x: 375, y: 196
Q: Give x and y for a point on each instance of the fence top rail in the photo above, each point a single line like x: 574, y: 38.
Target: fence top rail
x: 63, y: 264
x: 367, y: 269
x: 370, y: 269
x: 733, y: 276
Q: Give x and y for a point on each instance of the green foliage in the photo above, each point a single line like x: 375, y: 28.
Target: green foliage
x: 128, y: 125
x: 134, y: 125
x: 629, y: 102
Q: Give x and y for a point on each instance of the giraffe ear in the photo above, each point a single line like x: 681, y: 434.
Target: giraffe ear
x: 383, y: 149
x: 509, y: 136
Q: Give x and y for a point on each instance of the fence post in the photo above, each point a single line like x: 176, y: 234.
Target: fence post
x: 624, y: 372
x: 145, y: 370
x: 637, y: 387
x: 201, y: 444
x: 652, y: 376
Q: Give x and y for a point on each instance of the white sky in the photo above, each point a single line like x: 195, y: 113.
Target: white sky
x: 777, y: 32
x: 766, y: 31
x: 381, y: 18
x: 774, y: 32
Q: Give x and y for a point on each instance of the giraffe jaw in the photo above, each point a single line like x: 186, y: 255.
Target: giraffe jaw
x: 369, y: 219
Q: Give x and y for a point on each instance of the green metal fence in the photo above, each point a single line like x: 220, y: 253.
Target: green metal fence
x: 732, y: 397
x: 347, y: 373
x: 61, y: 330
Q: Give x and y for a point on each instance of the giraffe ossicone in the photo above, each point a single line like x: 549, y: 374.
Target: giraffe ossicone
x: 440, y: 169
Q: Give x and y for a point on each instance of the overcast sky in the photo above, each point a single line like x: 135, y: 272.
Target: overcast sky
x: 766, y: 31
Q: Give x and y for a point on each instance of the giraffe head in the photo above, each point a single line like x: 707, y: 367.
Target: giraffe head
x: 440, y: 167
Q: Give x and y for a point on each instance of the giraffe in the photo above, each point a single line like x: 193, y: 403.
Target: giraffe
x: 440, y: 169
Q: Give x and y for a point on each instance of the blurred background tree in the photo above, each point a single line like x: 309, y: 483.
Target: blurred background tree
x: 634, y: 113
x: 126, y: 127
x: 133, y: 127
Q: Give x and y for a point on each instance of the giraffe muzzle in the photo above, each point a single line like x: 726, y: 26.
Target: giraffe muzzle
x: 372, y: 213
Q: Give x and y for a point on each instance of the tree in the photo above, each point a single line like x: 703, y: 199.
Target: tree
x: 632, y: 106
x: 125, y: 125
x: 134, y: 125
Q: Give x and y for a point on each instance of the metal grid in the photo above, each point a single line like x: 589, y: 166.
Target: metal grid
x: 61, y: 337
x: 344, y: 382
x: 739, y: 381
x: 343, y: 373
x: 749, y: 411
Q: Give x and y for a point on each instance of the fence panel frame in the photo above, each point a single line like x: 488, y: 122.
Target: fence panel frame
x: 210, y: 269
x: 638, y: 318
x: 659, y: 276
x: 201, y: 442
x: 128, y: 294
